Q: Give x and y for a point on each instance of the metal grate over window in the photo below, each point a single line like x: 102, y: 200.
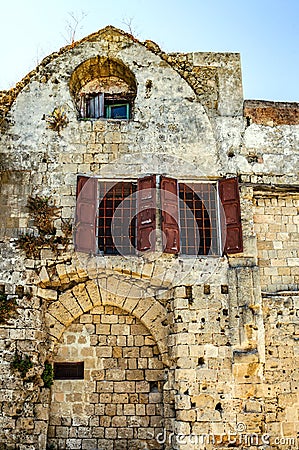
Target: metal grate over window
x: 69, y: 371
x: 208, y: 223
x: 199, y: 227
x: 198, y: 219
x: 117, y: 211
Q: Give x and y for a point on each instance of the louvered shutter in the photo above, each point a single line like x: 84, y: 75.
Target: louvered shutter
x: 170, y: 215
x: 229, y: 195
x: 85, y: 226
x: 146, y: 213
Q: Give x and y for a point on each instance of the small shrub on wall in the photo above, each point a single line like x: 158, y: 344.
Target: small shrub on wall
x: 44, y: 212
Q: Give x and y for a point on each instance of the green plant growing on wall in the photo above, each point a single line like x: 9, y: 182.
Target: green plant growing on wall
x: 43, y: 212
x: 7, y: 307
x: 48, y: 375
x: 57, y: 119
x: 49, y: 447
x: 22, y: 363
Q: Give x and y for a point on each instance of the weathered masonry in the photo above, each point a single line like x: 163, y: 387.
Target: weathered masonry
x: 149, y: 254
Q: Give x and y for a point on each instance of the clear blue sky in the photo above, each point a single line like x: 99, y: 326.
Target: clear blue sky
x: 265, y: 32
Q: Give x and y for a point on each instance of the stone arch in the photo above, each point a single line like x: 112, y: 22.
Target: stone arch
x: 100, y: 67
x: 85, y: 296
x: 119, y: 403
x: 102, y: 73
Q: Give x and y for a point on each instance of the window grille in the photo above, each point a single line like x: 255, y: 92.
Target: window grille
x: 193, y: 221
x: 198, y: 219
x: 116, y: 216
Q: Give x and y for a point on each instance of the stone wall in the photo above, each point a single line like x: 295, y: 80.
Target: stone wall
x: 271, y: 113
x: 15, y: 188
x: 276, y: 226
x: 281, y: 371
x: 186, y: 348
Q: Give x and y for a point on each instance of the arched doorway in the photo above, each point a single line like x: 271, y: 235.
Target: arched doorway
x: 118, y: 404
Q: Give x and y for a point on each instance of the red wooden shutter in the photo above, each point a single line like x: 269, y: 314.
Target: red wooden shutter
x: 170, y: 215
x: 229, y: 195
x: 85, y: 226
x: 146, y: 213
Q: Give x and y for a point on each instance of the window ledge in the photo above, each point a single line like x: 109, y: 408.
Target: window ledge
x: 154, y: 256
x: 102, y: 119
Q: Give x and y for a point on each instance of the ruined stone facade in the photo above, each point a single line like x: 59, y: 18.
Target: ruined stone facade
x: 180, y: 351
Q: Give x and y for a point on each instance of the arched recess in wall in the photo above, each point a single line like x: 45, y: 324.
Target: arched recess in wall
x: 108, y: 384
x: 83, y: 297
x: 103, y: 87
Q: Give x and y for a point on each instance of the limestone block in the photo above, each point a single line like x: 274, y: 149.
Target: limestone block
x: 244, y: 356
x: 186, y: 415
x: 180, y: 303
x: 123, y: 289
x: 47, y: 294
x: 245, y: 373
x: 289, y: 399
x: 211, y: 351
x: 125, y: 386
x: 182, y: 428
x: 137, y: 292
x: 59, y: 312
x: 252, y: 406
x: 93, y: 292
x: 82, y: 297
x: 62, y: 273
x: 147, y: 270
x: 182, y: 402
x: 25, y: 423
x: 109, y: 298
x: 181, y: 350
x: 47, y: 255
x: 71, y: 304
x: 44, y: 276
x: 180, y: 292
x: 81, y: 271
x: 155, y: 311
x: 185, y: 375
x: 73, y: 443
x: 131, y: 302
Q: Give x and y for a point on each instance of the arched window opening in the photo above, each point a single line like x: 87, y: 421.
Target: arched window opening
x: 108, y: 97
x: 103, y: 88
